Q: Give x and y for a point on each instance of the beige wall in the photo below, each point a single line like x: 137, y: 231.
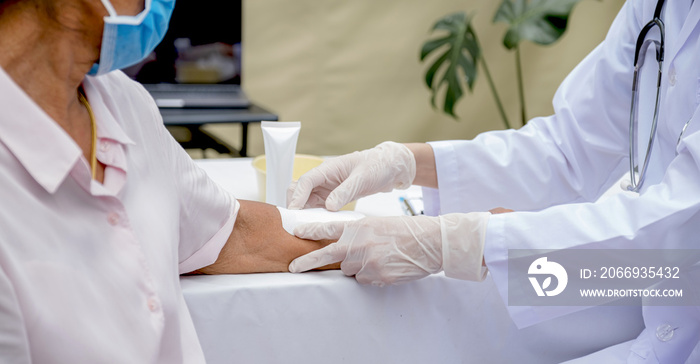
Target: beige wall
x: 349, y: 70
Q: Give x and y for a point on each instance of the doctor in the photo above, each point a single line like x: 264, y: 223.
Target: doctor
x: 555, y: 168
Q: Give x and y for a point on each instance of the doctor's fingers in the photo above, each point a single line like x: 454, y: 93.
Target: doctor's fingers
x: 329, y: 254
x: 349, y: 190
x: 321, y: 230
x: 299, y: 192
x: 316, y: 199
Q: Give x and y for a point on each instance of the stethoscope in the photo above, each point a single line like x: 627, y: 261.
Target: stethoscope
x: 641, y: 48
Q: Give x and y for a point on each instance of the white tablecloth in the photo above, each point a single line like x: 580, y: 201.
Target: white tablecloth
x: 325, y: 317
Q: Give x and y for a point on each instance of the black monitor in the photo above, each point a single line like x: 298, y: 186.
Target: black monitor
x: 202, y: 46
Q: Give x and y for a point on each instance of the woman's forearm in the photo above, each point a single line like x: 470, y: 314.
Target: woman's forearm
x: 259, y: 243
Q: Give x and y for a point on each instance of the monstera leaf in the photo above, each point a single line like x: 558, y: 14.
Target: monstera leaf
x: 539, y: 21
x: 458, y: 49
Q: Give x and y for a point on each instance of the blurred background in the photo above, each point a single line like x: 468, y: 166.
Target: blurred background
x: 350, y: 70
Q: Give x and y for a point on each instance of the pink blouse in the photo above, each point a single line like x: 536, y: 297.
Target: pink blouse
x: 89, y: 272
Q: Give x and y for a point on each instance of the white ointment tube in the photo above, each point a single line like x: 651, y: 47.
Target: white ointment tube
x: 280, y: 140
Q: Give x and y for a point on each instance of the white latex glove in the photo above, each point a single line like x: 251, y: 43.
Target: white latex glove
x: 388, y: 250
x: 341, y: 180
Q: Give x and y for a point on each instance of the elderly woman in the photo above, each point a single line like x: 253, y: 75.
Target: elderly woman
x: 101, y: 208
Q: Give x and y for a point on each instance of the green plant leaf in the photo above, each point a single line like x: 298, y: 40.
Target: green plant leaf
x: 457, y: 50
x: 539, y: 21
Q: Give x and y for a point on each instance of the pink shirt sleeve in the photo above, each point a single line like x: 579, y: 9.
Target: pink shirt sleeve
x: 207, y: 212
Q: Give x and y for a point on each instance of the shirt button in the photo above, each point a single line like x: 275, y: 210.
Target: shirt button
x: 104, y: 147
x: 672, y: 77
x: 664, y: 332
x: 152, y: 304
x: 113, y: 219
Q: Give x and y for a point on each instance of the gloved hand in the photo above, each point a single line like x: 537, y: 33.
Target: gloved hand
x: 341, y: 180
x: 388, y: 250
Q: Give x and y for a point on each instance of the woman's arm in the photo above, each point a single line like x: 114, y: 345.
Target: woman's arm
x: 259, y: 243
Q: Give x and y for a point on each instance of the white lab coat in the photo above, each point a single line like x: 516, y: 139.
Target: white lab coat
x: 556, y: 166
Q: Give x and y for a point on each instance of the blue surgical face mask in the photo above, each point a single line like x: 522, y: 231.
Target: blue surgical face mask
x: 127, y: 40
